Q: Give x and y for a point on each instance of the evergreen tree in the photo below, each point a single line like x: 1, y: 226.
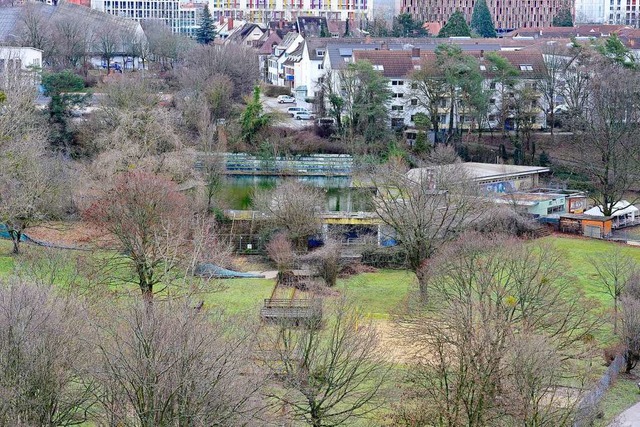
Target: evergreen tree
x: 405, y: 26
x: 206, y: 33
x: 563, y: 18
x: 481, y: 21
x: 456, y: 26
x: 324, y: 31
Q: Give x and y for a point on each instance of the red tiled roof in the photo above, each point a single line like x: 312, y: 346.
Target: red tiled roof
x: 432, y: 27
x: 402, y: 63
x: 395, y: 63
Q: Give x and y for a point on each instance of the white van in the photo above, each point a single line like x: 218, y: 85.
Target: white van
x: 293, y: 110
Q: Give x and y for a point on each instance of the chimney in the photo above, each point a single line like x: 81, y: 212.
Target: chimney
x: 384, y: 46
x: 367, y: 39
x: 281, y: 23
x: 221, y: 18
x: 230, y: 23
x: 481, y: 53
x: 415, y: 52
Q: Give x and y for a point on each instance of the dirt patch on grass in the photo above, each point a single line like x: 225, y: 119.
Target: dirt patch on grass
x: 77, y: 233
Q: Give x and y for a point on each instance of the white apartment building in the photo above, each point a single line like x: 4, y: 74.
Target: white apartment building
x: 264, y: 11
x: 624, y: 12
x: 276, y: 73
x: 19, y: 62
x: 591, y: 11
x: 181, y: 16
x: 399, y: 65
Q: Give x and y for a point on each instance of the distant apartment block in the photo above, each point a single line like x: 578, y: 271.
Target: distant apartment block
x: 591, y: 11
x: 181, y: 16
x: 507, y: 14
x: 19, y: 63
x: 624, y: 12
x: 264, y: 11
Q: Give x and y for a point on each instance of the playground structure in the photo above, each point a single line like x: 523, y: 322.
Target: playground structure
x: 290, y: 305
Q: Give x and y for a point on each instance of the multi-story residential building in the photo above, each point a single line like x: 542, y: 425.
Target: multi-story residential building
x: 626, y: 12
x: 399, y: 66
x: 276, y: 73
x: 591, y: 12
x: 180, y: 15
x: 264, y: 11
x: 22, y: 63
x: 507, y: 14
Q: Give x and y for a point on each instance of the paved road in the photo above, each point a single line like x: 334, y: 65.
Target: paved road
x: 271, y: 105
x: 629, y: 418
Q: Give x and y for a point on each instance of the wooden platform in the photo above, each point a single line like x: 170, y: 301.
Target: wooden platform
x: 291, y: 310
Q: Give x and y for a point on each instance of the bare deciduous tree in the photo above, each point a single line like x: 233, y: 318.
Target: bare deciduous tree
x: 631, y: 330
x: 609, y: 127
x: 43, y: 360
x: 281, y: 252
x: 31, y: 186
x: 34, y: 30
x: 614, y: 269
x: 72, y: 43
x: 488, y: 297
x: 425, y: 207
x: 174, y: 365
x: 159, y: 237
x: 327, y: 260
x: 293, y: 207
x: 205, y: 62
x: 107, y: 44
x: 330, y: 374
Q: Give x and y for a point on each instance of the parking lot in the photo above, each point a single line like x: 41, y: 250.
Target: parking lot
x: 271, y: 106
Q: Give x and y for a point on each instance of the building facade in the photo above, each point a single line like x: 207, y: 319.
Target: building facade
x: 264, y: 11
x: 181, y: 16
x: 505, y: 107
x: 623, y: 12
x: 591, y: 11
x: 507, y: 14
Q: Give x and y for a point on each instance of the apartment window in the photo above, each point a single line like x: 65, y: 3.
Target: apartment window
x: 378, y: 67
x: 492, y: 85
x: 398, y: 95
x: 397, y: 122
x: 397, y: 82
x: 526, y: 67
x: 414, y: 101
x: 492, y: 118
x: 442, y: 103
x: 320, y: 52
x: 492, y: 101
x: 320, y: 67
x: 397, y: 108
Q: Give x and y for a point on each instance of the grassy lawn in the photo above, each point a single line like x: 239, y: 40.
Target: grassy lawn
x: 379, y: 294
x: 6, y: 259
x: 577, y: 252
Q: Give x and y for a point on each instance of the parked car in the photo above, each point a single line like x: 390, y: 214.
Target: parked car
x: 286, y: 99
x: 326, y: 121
x: 292, y: 111
x: 304, y: 115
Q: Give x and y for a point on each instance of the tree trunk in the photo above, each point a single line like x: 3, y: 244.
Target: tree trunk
x: 15, y: 239
x: 615, y: 316
x: 421, y: 275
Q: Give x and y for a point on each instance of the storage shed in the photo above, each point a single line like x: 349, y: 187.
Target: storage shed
x: 624, y: 214
x: 598, y: 227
